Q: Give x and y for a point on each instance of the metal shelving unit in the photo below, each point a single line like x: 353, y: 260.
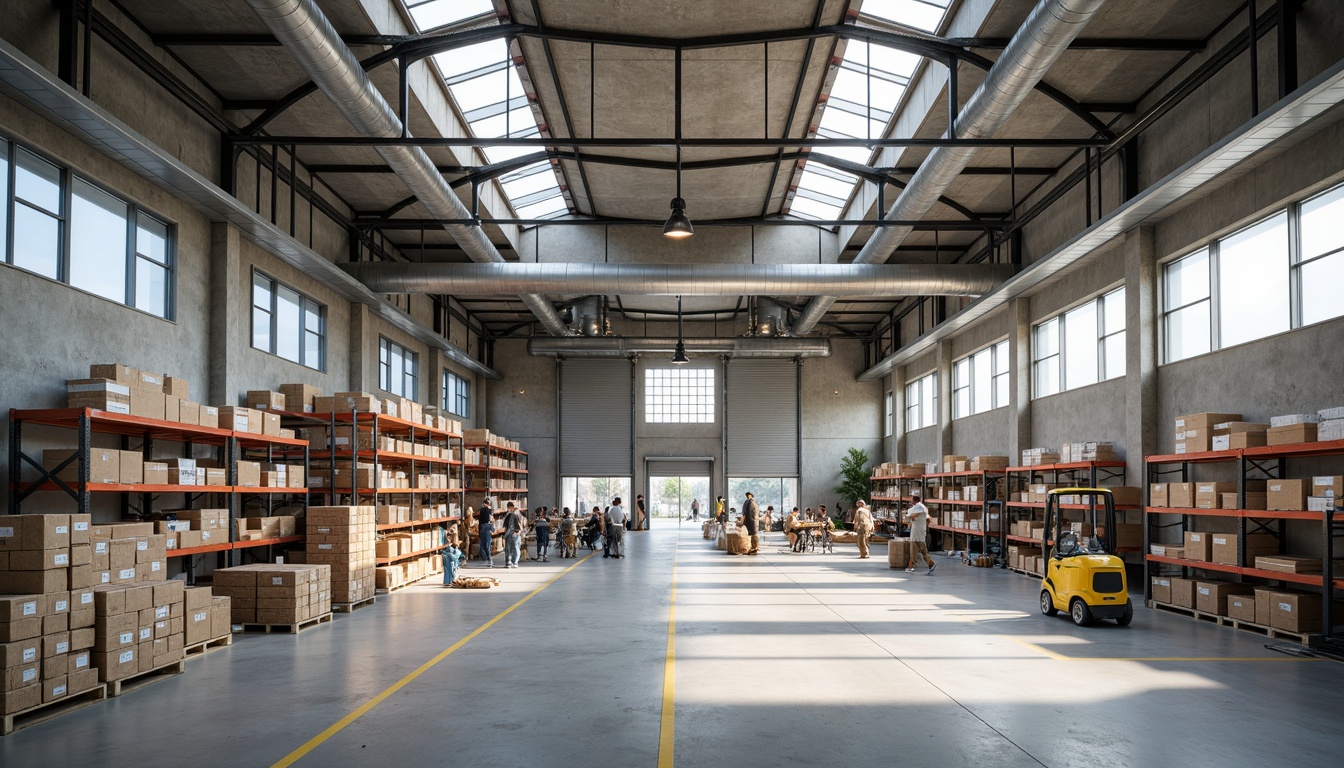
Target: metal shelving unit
x: 989, y: 483
x: 486, y: 470
x: 1091, y: 474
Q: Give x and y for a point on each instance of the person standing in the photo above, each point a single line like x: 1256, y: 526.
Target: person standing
x: 641, y: 514
x: 485, y: 526
x: 569, y: 544
x: 513, y: 535
x: 452, y: 556
x: 790, y: 529
x: 749, y: 521
x: 616, y: 519
x: 918, y: 518
x: 542, y: 529
x: 695, y: 509
x: 863, y: 526
x: 721, y: 512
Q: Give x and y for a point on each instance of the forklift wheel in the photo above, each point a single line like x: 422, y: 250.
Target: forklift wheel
x: 1125, y: 618
x: 1048, y: 604
x: 1079, y: 612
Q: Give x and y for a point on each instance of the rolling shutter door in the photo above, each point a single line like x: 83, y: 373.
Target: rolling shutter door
x: 595, y: 424
x: 762, y: 413
x: 680, y: 467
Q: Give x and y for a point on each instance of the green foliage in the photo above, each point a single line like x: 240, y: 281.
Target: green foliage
x: 854, y: 482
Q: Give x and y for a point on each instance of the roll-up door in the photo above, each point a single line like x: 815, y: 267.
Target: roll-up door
x: 762, y: 408
x: 595, y: 422
x: 679, y: 467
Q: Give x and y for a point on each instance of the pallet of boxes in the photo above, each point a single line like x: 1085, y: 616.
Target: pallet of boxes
x: 287, y: 597
x: 345, y: 539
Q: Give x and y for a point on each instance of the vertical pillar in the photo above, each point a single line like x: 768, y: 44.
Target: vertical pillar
x: 944, y: 398
x: 1019, y: 379
x: 363, y: 350
x: 230, y: 293
x: 896, y: 451
x: 1141, y: 323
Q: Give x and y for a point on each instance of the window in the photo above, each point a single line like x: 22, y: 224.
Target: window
x: 398, y: 369
x: 778, y: 492
x: 679, y: 395
x: 581, y: 494
x: 1083, y: 346
x: 980, y: 381
x: 1319, y: 266
x: 285, y: 322
x: 921, y: 402
x: 889, y: 416
x: 1186, y: 302
x: 456, y: 395
x: 66, y: 228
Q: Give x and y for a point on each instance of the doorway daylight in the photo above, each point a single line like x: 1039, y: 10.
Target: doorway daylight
x: 670, y: 498
x: 581, y: 494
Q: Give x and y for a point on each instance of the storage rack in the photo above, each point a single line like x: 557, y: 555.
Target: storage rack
x: 481, y: 473
x: 88, y: 422
x: 893, y: 490
x: 989, y: 482
x: 378, y: 424
x: 1259, y: 463
x: 1091, y: 474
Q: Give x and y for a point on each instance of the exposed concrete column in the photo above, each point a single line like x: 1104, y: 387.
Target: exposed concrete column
x: 896, y: 451
x: 1019, y: 379
x: 945, y: 446
x: 433, y: 377
x: 226, y: 335
x: 1141, y: 323
x: 362, y: 379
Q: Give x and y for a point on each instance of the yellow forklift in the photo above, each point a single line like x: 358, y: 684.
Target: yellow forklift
x: 1083, y: 575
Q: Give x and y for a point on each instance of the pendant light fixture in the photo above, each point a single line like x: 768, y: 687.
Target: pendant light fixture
x: 679, y: 354
x: 678, y: 227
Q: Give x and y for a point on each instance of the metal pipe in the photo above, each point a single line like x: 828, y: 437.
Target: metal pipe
x: 624, y: 346
x: 309, y: 37
x: 1047, y: 33
x: 685, y: 279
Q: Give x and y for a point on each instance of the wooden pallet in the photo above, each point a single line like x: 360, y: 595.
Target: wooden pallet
x: 200, y: 649
x: 1032, y: 574
x: 351, y: 607
x: 1227, y: 621
x: 52, y: 709
x: 128, y: 684
x: 420, y: 580
x: 292, y: 629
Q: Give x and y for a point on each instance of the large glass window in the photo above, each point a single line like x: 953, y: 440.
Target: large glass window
x: 98, y: 245
x: 921, y: 402
x: 1187, y: 307
x: 778, y: 492
x: 456, y: 395
x: 398, y: 369
x: 980, y: 381
x: 581, y: 494
x: 1319, y: 265
x: 1082, y: 346
x: 679, y: 395
x: 888, y: 416
x: 1253, y: 282
x: 39, y: 215
x: 285, y: 322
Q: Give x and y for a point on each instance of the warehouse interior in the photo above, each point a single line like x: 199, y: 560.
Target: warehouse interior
x: 329, y: 276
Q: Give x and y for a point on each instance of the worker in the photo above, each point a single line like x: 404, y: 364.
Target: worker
x: 750, y: 512
x: 863, y: 526
x: 615, y: 525
x: 542, y: 529
x: 791, y: 523
x: 452, y: 556
x: 641, y: 515
x: 918, y: 518
x: 768, y: 519
x: 569, y: 544
x: 721, y: 512
x: 485, y: 525
x: 514, y: 522
x: 695, y: 509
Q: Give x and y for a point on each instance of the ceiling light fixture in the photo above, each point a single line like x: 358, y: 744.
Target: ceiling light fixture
x: 679, y: 354
x: 678, y: 227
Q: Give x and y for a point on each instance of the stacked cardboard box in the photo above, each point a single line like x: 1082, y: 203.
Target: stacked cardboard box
x: 1088, y: 451
x: 987, y: 463
x: 119, y: 388
x: 345, y: 402
x: 1194, y: 432
x: 1228, y: 435
x: 1032, y: 457
x: 42, y: 554
x: 275, y: 593
x: 258, y: 528
x: 344, y: 538
x: 1287, y: 610
x: 127, y: 553
x: 408, y: 571
x: 138, y: 628
x: 193, y: 527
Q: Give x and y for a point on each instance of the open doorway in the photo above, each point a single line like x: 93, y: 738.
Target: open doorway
x: 676, y: 487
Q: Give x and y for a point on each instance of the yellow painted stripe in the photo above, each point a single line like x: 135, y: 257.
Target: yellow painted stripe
x: 1061, y: 657
x: 336, y: 727
x: 667, y: 728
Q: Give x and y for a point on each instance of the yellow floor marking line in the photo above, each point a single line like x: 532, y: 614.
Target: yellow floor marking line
x: 336, y: 727
x: 667, y: 728
x: 1061, y: 657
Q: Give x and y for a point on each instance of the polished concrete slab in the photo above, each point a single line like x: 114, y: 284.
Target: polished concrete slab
x: 781, y: 659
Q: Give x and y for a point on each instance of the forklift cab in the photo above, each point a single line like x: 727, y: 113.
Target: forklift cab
x: 1083, y: 575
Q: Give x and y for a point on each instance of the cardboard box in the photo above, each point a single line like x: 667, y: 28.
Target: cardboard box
x: 241, y: 420
x: 20, y: 699
x: 1328, y: 485
x: 270, y: 424
x: 177, y: 387
x: 1242, y: 607
x: 1207, y: 495
x: 249, y: 474
x: 1182, y: 592
x: 1157, y: 495
x: 99, y: 394
x: 300, y: 398
x: 1295, y: 433
x: 1289, y: 494
x: 1295, y: 612
x: 1181, y: 495
x: 36, y: 531
x: 1254, y: 500
x: 117, y: 372
x: 104, y: 465
x: 265, y: 400
x: 1161, y: 587
x: 1224, y: 549
x: 1198, y: 546
x: 209, y: 416
x: 1211, y: 596
x: 1202, y: 423
x: 1288, y: 564
x: 172, y: 407
x: 117, y: 665
x: 147, y: 403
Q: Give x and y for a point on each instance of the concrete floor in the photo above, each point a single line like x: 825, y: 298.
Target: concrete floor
x: 781, y: 659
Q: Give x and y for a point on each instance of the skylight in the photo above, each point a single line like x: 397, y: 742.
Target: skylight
x: 487, y: 90
x: 861, y: 104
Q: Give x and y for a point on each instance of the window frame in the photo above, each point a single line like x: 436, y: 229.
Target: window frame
x: 914, y: 401
x: 1061, y: 354
x: 889, y: 422
x: 272, y: 333
x: 385, y: 369
x: 455, y: 397
x: 998, y: 368
x: 680, y: 407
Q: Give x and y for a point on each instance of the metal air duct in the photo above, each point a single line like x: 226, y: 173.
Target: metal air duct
x: 681, y: 279
x: 309, y: 37
x: 588, y: 316
x: 1046, y: 33
x: 625, y: 346
x: 770, y: 318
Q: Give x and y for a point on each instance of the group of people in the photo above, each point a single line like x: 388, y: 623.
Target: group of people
x: 608, y: 524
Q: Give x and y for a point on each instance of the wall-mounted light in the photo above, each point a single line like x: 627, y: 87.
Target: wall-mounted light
x: 523, y: 391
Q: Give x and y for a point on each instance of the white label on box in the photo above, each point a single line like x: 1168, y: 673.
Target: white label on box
x: 123, y: 408
x: 240, y: 422
x: 108, y: 387
x: 82, y: 660
x: 205, y: 535
x: 276, y: 581
x: 325, y: 546
x: 1203, y: 590
x: 172, y: 542
x: 161, y: 612
x: 202, y: 616
x: 60, y: 560
x: 126, y: 657
x: 1276, y: 487
x: 1220, y: 540
x: 29, y: 654
x: 62, y: 605
x: 147, y: 633
x: 307, y: 409
x: 6, y: 533
x: 127, y: 638
x: 29, y: 675
x: 58, y: 691
x: 1286, y: 607
x: 126, y: 573
x: 1180, y: 423
x: 154, y: 567
x: 100, y: 547
x: 30, y: 608
x: 86, y: 598
x: 81, y: 526
x: 105, y: 577
x: 63, y: 530
x: 63, y: 647
x: 141, y: 546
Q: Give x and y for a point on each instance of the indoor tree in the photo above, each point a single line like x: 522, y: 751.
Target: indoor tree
x: 854, y: 483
